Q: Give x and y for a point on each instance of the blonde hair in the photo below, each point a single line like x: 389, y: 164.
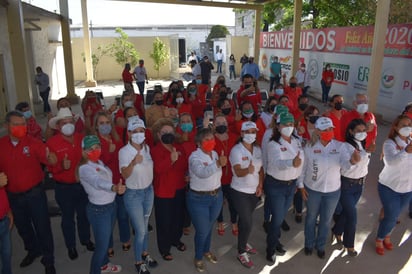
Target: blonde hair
x: 158, y: 126
x: 113, y: 133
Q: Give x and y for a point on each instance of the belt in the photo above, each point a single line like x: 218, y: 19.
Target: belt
x: 288, y: 182
x: 211, y: 192
x: 360, y: 181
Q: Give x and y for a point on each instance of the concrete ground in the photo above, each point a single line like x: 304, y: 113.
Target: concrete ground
x: 397, y: 261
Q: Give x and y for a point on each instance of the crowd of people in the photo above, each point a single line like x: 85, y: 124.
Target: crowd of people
x: 190, y: 150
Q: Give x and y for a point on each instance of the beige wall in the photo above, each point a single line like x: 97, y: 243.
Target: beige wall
x: 108, y: 69
x: 236, y: 45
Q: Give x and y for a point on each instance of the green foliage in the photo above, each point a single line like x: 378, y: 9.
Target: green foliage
x: 217, y: 31
x: 160, y: 54
x: 123, y: 50
x: 97, y: 56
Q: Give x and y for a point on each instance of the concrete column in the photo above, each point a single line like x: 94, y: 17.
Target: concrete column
x: 67, y: 51
x: 90, y: 82
x: 378, y: 47
x: 258, y: 22
x: 18, y: 53
x: 296, y: 36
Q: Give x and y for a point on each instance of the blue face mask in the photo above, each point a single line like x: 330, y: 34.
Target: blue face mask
x: 279, y: 91
x: 198, y: 81
x: 27, y: 114
x: 186, y: 127
x: 105, y: 129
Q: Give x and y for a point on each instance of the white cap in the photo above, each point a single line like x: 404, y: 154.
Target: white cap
x: 323, y: 123
x: 63, y: 113
x: 248, y: 125
x: 135, y: 122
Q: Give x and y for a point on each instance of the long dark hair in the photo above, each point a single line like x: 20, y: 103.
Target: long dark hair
x: 350, y: 138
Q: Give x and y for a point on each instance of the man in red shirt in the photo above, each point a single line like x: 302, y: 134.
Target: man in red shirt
x: 361, y: 112
x: 69, y: 193
x: 6, y: 223
x: 293, y: 92
x: 335, y: 114
x: 248, y: 92
x: 20, y: 160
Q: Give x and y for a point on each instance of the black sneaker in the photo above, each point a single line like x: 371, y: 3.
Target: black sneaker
x: 49, y: 269
x: 280, y: 250
x: 89, y: 245
x: 308, y: 251
x: 410, y: 214
x: 141, y: 268
x: 285, y: 226
x: 149, y: 228
x: 321, y: 254
x: 149, y: 261
x: 72, y: 252
x: 29, y: 259
x: 271, y: 256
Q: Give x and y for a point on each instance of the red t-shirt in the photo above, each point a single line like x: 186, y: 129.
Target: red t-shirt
x: 127, y: 76
x: 62, y: 147
x: 293, y: 95
x: 34, y: 129
x: 138, y: 102
x: 4, y: 203
x: 22, y: 163
x: 339, y: 135
x: 198, y: 107
x: 168, y: 177
x: 254, y: 98
x: 328, y: 77
x: 367, y: 117
x: 226, y: 146
x: 111, y: 159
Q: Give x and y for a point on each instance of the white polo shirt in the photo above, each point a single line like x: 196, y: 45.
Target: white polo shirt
x: 265, y: 141
x: 240, y: 155
x: 358, y: 170
x: 397, y: 172
x: 321, y: 168
x: 280, y: 157
x: 142, y: 174
x: 203, y: 171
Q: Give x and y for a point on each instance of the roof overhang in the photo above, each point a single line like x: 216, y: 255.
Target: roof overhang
x: 34, y: 17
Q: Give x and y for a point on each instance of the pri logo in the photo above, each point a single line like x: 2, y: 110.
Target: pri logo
x: 313, y: 69
x: 388, y: 78
x: 264, y: 60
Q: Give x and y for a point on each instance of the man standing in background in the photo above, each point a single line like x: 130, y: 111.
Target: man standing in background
x: 42, y: 80
x: 140, y: 75
x: 219, y: 59
x: 275, y: 73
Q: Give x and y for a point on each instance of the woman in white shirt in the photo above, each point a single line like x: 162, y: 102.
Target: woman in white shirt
x: 395, y: 180
x: 247, y: 182
x: 321, y: 176
x: 96, y: 178
x: 353, y: 177
x: 136, y: 166
x: 284, y: 165
x: 204, y: 198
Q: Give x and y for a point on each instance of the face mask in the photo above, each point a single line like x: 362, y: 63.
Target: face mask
x: 105, y: 129
x: 18, y: 131
x: 338, y: 106
x: 174, y: 90
x: 138, y: 138
x: 405, y: 131
x: 94, y: 155
x: 182, y: 88
x: 326, y: 135
x: 279, y: 92
x: 68, y: 129
x: 360, y: 136
x: 128, y: 104
x: 249, y: 138
x: 287, y: 131
x: 221, y: 129
x: 222, y: 82
x: 312, y: 119
x: 159, y: 102
x: 198, y: 81
x: 226, y: 111
x: 192, y: 91
x: 186, y: 127
x: 292, y: 85
x: 248, y: 113
x: 167, y: 138
x: 222, y: 95
x: 247, y: 86
x: 302, y: 107
x: 27, y: 114
x: 272, y: 108
x: 208, y: 145
x: 362, y: 108
x: 179, y: 100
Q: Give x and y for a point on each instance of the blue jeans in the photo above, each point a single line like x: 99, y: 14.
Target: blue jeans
x: 279, y: 198
x: 203, y: 210
x: 322, y: 204
x: 140, y: 85
x: 393, y: 203
x: 232, y: 72
x: 5, y: 246
x: 101, y: 218
x: 345, y: 222
x: 45, y: 97
x: 32, y: 221
x: 274, y: 81
x: 219, y: 66
x: 122, y: 221
x: 298, y: 202
x: 325, y: 91
x: 139, y: 204
x: 72, y: 200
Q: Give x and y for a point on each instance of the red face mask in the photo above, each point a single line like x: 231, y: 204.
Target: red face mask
x: 94, y: 154
x: 18, y: 131
x: 326, y: 135
x: 208, y: 145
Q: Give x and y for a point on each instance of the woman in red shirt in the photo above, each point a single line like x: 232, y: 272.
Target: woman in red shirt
x: 326, y: 82
x: 127, y: 77
x: 197, y: 103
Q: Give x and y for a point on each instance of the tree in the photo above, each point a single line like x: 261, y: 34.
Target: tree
x: 97, y: 56
x: 217, y: 31
x: 159, y: 54
x: 123, y: 50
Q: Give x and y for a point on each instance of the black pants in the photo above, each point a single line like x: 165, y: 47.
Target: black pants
x: 45, y: 97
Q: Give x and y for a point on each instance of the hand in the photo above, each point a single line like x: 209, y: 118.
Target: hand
x: 51, y: 157
x: 120, y: 188
x: 259, y: 191
x: 370, y: 126
x: 297, y: 161
x: 222, y: 159
x: 112, y: 147
x: 238, y: 115
x: 251, y: 168
x: 66, y: 162
x: 408, y: 148
x: 371, y: 148
x: 304, y: 193
x: 3, y: 179
x: 138, y: 158
x: 355, y: 158
x: 174, y: 155
x: 11, y: 219
x: 301, y: 130
x: 185, y: 136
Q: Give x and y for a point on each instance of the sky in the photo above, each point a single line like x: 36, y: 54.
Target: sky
x: 119, y: 13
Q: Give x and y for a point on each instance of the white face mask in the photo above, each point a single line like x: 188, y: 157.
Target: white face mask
x: 67, y: 129
x: 128, y: 104
x: 360, y: 136
x: 138, y: 138
x: 405, y: 131
x: 179, y: 100
x: 287, y: 131
x: 249, y: 138
x: 362, y: 108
